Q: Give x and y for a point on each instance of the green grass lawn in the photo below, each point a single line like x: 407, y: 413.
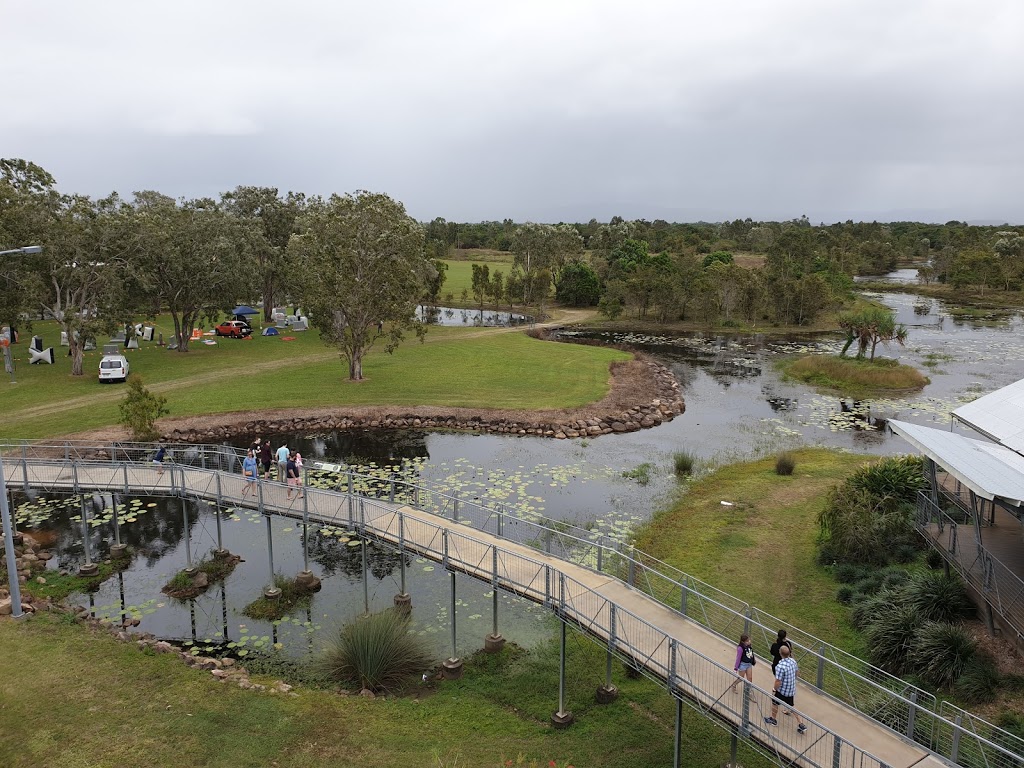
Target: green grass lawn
x: 762, y: 550
x: 475, y: 368
x: 71, y: 696
x: 460, y: 276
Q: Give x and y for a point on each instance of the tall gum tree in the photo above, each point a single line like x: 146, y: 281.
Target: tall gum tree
x: 196, y: 258
x: 360, y: 262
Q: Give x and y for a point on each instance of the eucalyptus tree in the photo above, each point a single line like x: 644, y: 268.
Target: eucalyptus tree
x: 273, y: 218
x: 85, y: 270
x: 543, y: 247
x: 360, y: 261
x: 196, y: 258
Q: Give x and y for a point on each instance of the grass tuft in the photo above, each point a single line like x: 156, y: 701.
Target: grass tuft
x: 853, y: 377
x: 683, y: 461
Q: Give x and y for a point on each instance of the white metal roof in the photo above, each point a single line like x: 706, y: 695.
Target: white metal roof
x: 990, y: 470
x: 999, y: 414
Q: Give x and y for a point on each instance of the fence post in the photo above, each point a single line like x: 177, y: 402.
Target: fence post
x: 547, y: 586
x: 24, y: 466
x: 672, y: 648
x: 911, y: 714
x: 455, y: 506
x: 954, y: 751
x: 820, y: 682
x: 631, y: 568
x: 600, y: 556
x: 746, y: 620
x: 391, y: 495
x: 837, y: 750
x: 500, y: 520
x: 686, y: 592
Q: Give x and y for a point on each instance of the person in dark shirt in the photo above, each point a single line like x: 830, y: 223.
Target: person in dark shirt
x: 775, y: 649
x: 266, y: 458
x: 292, y: 473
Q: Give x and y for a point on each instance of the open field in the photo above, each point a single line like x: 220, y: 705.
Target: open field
x: 473, y: 368
x: 763, y: 549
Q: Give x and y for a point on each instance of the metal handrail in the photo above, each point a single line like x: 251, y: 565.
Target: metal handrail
x: 909, y: 711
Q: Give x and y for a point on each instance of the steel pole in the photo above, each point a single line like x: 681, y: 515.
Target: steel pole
x: 12, y: 568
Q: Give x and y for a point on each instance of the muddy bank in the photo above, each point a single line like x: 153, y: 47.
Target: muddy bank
x: 643, y: 394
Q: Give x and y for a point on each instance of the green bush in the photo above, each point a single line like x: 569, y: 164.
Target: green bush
x: 868, y: 519
x: 897, y: 478
x: 894, y: 578
x: 938, y: 597
x: 869, y: 585
x: 867, y: 607
x: 979, y: 680
x: 785, y: 463
x: 934, y: 559
x: 140, y: 409
x: 376, y: 651
x: 684, y: 462
x: 891, y: 634
x: 941, y: 652
x: 845, y: 594
x: 848, y: 573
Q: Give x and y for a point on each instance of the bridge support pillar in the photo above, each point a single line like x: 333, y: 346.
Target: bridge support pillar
x: 403, y: 602
x: 607, y: 693
x: 677, y: 741
x: 270, y: 591
x: 117, y: 549
x: 88, y: 568
x: 494, y: 642
x: 562, y: 718
x: 308, y: 580
x: 452, y: 667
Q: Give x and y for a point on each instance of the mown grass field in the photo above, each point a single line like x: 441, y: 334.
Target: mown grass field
x: 763, y: 549
x: 473, y: 368
x: 70, y: 696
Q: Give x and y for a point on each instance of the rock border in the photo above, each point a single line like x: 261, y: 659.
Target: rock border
x: 581, y: 423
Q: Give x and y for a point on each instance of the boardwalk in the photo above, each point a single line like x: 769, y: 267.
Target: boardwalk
x: 693, y: 662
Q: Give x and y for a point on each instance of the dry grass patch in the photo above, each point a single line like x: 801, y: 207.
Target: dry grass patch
x: 854, y: 377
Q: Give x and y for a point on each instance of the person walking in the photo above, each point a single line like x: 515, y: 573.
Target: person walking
x: 282, y: 463
x: 158, y: 459
x: 745, y: 661
x: 292, y: 470
x: 266, y: 458
x: 785, y: 688
x: 250, y: 471
x: 774, y: 650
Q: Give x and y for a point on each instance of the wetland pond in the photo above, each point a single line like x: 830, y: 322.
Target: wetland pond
x: 737, y: 406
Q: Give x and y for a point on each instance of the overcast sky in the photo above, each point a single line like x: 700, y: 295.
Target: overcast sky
x: 544, y: 111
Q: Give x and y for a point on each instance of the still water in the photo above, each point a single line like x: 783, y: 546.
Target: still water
x: 737, y: 405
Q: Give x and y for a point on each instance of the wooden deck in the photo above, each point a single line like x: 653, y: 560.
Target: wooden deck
x: 692, y: 661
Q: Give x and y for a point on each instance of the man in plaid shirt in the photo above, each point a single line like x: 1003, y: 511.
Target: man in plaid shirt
x: 785, y: 688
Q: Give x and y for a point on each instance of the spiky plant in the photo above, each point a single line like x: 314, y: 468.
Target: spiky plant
x: 376, y: 651
x: 891, y: 633
x: 942, y: 652
x: 938, y: 597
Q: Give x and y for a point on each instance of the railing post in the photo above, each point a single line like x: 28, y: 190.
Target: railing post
x: 391, y: 494
x: 547, y: 586
x: 259, y: 499
x: 125, y: 468
x: 631, y: 568
x: 455, y: 506
x: 24, y: 466
x: 954, y: 751
x: 746, y: 620
x: 837, y: 750
x: 350, y: 496
x: 501, y: 518
x: 600, y: 555
x: 672, y: 648
x: 685, y: 594
x: 911, y: 714
x: 820, y: 680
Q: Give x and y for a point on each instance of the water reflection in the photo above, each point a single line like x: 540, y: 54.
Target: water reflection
x: 456, y: 316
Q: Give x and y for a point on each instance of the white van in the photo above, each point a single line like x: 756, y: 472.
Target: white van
x: 113, y: 368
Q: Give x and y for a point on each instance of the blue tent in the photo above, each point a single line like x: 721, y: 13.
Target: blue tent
x: 270, y: 331
x: 241, y: 309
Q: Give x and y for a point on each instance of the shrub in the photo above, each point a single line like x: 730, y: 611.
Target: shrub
x: 934, y: 559
x: 140, y: 409
x: 845, y: 594
x: 785, y: 463
x: 938, y: 597
x: 848, y: 573
x: 684, y: 462
x: 894, y: 578
x: 376, y: 651
x: 897, y: 478
x: 979, y: 680
x: 941, y: 652
x: 870, y: 584
x: 867, y: 607
x: 904, y: 553
x: 858, y: 527
x: 891, y: 632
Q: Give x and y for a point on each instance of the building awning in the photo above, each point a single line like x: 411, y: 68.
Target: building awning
x: 990, y: 470
x: 999, y: 414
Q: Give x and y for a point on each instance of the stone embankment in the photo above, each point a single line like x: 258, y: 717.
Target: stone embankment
x: 599, y: 419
